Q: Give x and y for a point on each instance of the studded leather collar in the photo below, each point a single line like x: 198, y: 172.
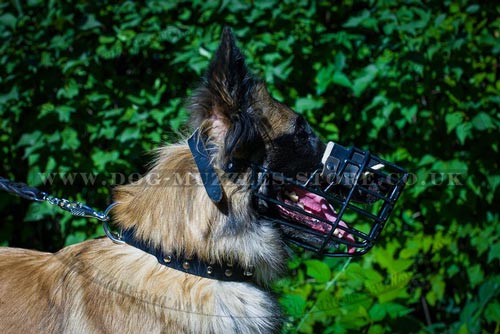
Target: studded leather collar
x: 223, y: 272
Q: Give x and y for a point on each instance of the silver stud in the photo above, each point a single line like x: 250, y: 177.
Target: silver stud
x: 228, y: 273
x: 248, y: 273
x: 168, y: 259
x: 185, y: 265
x: 210, y: 270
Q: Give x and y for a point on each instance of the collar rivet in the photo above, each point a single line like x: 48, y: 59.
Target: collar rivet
x: 185, y: 265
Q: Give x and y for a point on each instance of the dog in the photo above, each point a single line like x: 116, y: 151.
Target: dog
x: 196, y: 249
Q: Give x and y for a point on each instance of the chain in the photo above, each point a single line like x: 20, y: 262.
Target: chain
x: 75, y: 208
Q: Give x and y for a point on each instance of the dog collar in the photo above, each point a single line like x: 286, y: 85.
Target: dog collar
x: 190, y: 265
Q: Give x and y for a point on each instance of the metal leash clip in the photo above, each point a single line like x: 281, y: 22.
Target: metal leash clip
x: 75, y: 208
x: 82, y: 210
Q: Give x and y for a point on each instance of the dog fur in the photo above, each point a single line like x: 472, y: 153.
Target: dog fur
x: 98, y: 286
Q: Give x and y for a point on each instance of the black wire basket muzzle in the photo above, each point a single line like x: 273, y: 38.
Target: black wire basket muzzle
x: 338, y: 210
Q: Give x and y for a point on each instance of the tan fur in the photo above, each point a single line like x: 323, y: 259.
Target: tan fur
x: 101, y: 287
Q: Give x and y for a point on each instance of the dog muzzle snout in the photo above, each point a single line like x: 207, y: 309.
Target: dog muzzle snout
x: 338, y: 210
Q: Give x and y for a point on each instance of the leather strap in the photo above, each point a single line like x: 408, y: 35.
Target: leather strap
x: 207, y: 172
x: 194, y: 266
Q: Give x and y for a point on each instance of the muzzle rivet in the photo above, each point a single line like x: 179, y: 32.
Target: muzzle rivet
x: 210, y: 270
x: 185, y: 265
x: 168, y: 259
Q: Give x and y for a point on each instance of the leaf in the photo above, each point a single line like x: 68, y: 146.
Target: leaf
x: 70, y: 139
x: 377, y: 312
x: 106, y: 39
x: 64, y: 113
x: 487, y: 291
x: 365, y: 20
x: 365, y: 78
x: 395, y: 310
x: 376, y: 329
x: 494, y: 252
x: 475, y: 274
x: 102, y: 158
x: 30, y: 139
x: 471, y: 9
x: 136, y: 100
x: 438, y: 286
x: 326, y: 301
x: 453, y: 120
x: 308, y: 103
x: 318, y: 270
x: 339, y: 61
x: 341, y: 79
x: 482, y: 122
x: 129, y: 134
x: 126, y: 35
x: 492, y: 312
x: 8, y: 20
x: 294, y: 305
x: 91, y: 23
x: 283, y: 69
x: 463, y: 131
x: 323, y: 78
x: 13, y: 94
x: 39, y: 211
x: 430, y: 297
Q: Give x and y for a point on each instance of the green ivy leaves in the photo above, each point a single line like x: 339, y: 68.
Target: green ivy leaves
x: 88, y: 88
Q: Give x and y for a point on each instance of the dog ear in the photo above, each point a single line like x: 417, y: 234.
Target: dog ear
x: 221, y: 105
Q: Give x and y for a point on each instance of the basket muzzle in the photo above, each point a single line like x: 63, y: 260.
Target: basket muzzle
x: 339, y: 209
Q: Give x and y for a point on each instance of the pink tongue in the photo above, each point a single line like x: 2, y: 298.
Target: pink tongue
x: 320, y: 207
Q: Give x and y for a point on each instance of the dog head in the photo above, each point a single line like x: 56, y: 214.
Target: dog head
x: 267, y: 176
x: 250, y: 132
x: 239, y: 117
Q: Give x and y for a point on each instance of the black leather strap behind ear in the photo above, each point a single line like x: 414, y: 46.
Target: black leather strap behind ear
x: 207, y: 172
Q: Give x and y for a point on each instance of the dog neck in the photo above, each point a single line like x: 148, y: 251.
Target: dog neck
x: 168, y: 210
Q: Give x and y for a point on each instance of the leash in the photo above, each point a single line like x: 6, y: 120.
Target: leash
x: 75, y: 208
x: 190, y: 265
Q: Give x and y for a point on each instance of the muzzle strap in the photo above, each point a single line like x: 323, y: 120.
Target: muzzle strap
x: 207, y: 172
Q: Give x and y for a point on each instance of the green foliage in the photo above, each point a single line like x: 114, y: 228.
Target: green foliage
x: 87, y: 88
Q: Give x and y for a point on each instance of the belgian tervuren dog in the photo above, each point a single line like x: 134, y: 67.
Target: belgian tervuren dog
x: 197, y: 256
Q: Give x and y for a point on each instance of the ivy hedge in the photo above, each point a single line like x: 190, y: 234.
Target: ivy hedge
x: 88, y: 88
